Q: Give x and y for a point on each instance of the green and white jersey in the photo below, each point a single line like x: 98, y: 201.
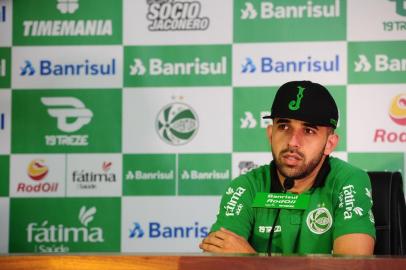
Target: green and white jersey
x: 339, y: 204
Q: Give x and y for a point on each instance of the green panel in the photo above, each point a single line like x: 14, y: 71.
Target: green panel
x: 249, y: 133
x: 101, y: 134
x: 339, y: 94
x: 65, y: 225
x: 289, y: 20
x: 377, y: 62
x: 378, y: 161
x: 204, y: 174
x: 5, y: 70
x: 177, y: 65
x: 68, y: 22
x: 4, y: 175
x: 153, y: 174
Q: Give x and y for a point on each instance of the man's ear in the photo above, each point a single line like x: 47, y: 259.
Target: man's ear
x: 332, y: 141
x: 269, y: 132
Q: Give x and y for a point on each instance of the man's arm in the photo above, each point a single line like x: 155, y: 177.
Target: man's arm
x: 225, y: 241
x: 354, y: 244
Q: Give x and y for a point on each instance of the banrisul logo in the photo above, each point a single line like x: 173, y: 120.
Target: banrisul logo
x: 3, y: 14
x: 67, y: 22
x: 177, y: 123
x: 203, y: 174
x: 272, y: 10
x: 65, y: 225
x: 72, y: 121
x: 271, y: 64
x: 159, y: 230
x: 169, y: 15
x: 253, y: 18
x: 177, y: 65
x: 48, y: 68
x: 377, y: 62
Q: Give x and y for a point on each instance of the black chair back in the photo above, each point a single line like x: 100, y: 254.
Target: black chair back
x: 390, y: 213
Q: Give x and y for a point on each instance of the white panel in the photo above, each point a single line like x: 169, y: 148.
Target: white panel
x: 5, y: 122
x: 277, y: 63
x: 214, y: 17
x: 67, y: 67
x: 212, y: 106
x: 4, y: 224
x: 94, y: 175
x: 244, y: 162
x: 370, y: 127
x: 37, y: 175
x: 6, y: 19
x: 166, y: 224
x: 375, y: 20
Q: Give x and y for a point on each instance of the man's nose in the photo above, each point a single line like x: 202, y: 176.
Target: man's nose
x: 295, y: 139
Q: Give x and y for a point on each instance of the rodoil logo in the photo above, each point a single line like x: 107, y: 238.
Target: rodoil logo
x: 57, y: 237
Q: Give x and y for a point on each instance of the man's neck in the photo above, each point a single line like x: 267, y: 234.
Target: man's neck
x: 303, y: 184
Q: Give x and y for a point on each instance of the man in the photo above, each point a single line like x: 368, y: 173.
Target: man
x: 334, y: 214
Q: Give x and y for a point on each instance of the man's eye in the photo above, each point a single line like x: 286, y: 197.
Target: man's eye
x: 310, y: 131
x: 283, y: 127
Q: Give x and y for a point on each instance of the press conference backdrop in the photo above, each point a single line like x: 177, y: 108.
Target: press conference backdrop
x: 122, y: 122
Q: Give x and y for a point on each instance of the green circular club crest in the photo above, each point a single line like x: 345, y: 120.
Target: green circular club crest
x: 177, y: 123
x: 319, y: 220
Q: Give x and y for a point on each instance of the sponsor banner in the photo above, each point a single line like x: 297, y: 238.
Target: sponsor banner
x: 63, y: 66
x: 5, y: 71
x: 4, y: 224
x: 71, y: 22
x: 245, y: 162
x: 4, y: 175
x: 276, y: 63
x: 385, y: 20
x: 72, y: 121
x: 204, y: 174
x: 37, y: 175
x: 177, y: 65
x: 289, y: 20
x: 166, y: 224
x: 378, y: 118
x: 251, y: 104
x: 5, y: 22
x: 177, y: 22
x: 5, y: 124
x: 54, y: 225
x: 377, y: 62
x: 149, y: 174
x: 176, y: 120
x: 93, y: 175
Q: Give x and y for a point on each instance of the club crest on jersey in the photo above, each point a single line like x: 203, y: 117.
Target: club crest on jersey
x: 319, y: 220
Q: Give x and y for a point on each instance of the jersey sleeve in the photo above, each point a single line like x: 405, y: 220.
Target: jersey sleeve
x: 353, y: 212
x: 235, y: 213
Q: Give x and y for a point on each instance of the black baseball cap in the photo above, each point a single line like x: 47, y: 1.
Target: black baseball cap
x: 305, y: 101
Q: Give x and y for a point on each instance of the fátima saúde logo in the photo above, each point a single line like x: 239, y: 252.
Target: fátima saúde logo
x: 45, y: 235
x: 177, y: 123
x: 397, y: 110
x: 37, y: 169
x: 166, y: 15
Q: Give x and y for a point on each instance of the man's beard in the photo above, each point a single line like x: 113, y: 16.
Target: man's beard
x: 300, y: 172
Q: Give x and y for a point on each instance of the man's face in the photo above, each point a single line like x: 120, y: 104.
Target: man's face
x: 298, y: 147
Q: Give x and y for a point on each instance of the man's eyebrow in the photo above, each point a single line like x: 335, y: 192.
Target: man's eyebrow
x: 282, y: 120
x: 311, y: 126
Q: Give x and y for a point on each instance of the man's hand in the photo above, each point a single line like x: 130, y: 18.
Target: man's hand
x: 225, y: 241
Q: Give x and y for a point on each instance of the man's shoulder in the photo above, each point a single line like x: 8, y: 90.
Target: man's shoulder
x: 255, y: 178
x: 342, y: 170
